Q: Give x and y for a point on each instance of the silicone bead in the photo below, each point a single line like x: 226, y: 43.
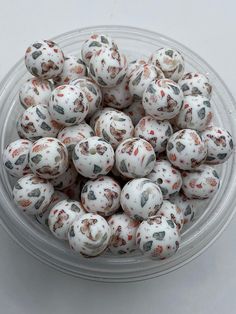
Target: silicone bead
x: 135, y: 111
x: 66, y: 179
x: 186, y: 205
x: 172, y: 212
x: 194, y: 83
x: 97, y: 114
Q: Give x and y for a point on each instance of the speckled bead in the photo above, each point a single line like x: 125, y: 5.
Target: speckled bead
x: 166, y: 177
x: 134, y: 65
x: 72, y: 135
x: 68, y: 105
x: 15, y: 158
x: 123, y: 234
x: 101, y: 196
x: 186, y: 149
x: 135, y: 111
x: 219, y: 144
x: 135, y: 158
x: 201, y: 183
x: 62, y: 215
x: 141, y: 198
x: 36, y: 123
x: 158, y: 237
x: 35, y: 91
x: 173, y: 212
x: 48, y: 158
x: 73, y: 68
x: 186, y: 205
x: 194, y: 83
x: 142, y: 77
x: 163, y: 99
x: 44, y: 59
x: 92, y: 92
x: 170, y: 61
x: 73, y: 191
x: 32, y: 194
x: 93, y: 157
x: 114, y: 126
x: 97, y: 114
x: 155, y: 132
x: 196, y: 113
x: 95, y: 43
x: 66, y: 179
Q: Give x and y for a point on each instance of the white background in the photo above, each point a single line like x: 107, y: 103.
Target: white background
x: 206, y: 285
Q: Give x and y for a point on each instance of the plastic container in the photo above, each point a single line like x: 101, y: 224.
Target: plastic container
x: 212, y: 218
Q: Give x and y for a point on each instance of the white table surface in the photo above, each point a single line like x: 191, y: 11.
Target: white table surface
x: 207, y: 284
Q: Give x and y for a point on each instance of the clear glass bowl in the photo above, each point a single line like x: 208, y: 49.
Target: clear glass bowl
x: 212, y: 217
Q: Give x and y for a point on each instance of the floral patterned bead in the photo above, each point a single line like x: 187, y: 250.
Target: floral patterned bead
x: 170, y: 61
x: 48, y: 158
x: 114, y: 126
x: 66, y: 179
x: 35, y: 91
x: 73, y: 68
x: 194, y: 83
x: 93, y: 157
x: 166, y: 177
x: 135, y: 158
x: 196, y: 113
x: 101, y: 196
x: 158, y: 237
x: 97, y: 114
x: 36, y: 123
x: 155, y: 132
x: 89, y: 235
x: 62, y: 215
x: 141, y: 198
x: 108, y: 67
x: 44, y: 59
x: 92, y: 92
x: 163, y: 99
x: 219, y: 144
x: 15, y: 158
x: 201, y: 183
x: 186, y: 149
x: 172, y: 212
x: 72, y: 135
x: 68, y: 105
x: 186, y: 205
x: 95, y: 43
x: 142, y: 77
x: 123, y: 234
x: 135, y: 111
x: 32, y: 194
x: 134, y: 65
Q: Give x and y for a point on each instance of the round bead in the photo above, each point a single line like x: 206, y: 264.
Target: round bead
x: 142, y: 77
x: 194, y: 83
x: 72, y: 135
x: 196, y: 113
x: 186, y: 150
x: 101, y: 196
x: 93, y: 157
x: 73, y: 68
x: 134, y: 65
x: 97, y: 114
x: 73, y: 191
x: 166, y: 177
x: 68, y: 105
x: 66, y: 179
x: 135, y: 158
x: 141, y: 198
x: 123, y: 234
x: 32, y: 194
x: 62, y: 215
x: 44, y: 59
x: 170, y: 61
x: 186, y: 205
x: 35, y: 91
x: 15, y: 158
x: 162, y: 99
x: 19, y: 128
x: 114, y: 126
x: 219, y: 145
x: 48, y: 158
x: 108, y: 67
x: 172, y: 212
x: 135, y: 112
x: 36, y: 123
x: 155, y: 132
x: 89, y: 235
x: 158, y: 237
x: 201, y: 183
x: 92, y: 92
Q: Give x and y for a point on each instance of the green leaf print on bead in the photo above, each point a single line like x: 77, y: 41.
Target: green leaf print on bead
x: 231, y: 144
x: 169, y: 53
x: 39, y: 202
x: 150, y: 159
x: 95, y: 44
x: 163, y: 190
x: 36, y: 54
x: 120, y: 79
x: 105, y: 135
x: 137, y: 80
x: 187, y: 210
x: 104, y: 40
x: 221, y: 156
x: 91, y: 69
x: 159, y: 235
x: 8, y: 164
x: 144, y: 198
x: 137, y: 217
x: 170, y: 146
x: 179, y: 147
x: 175, y: 89
x: 92, y: 89
x: 34, y: 71
x: 202, y: 113
x: 71, y: 120
x: 196, y: 91
x: 18, y: 186
x: 151, y: 89
x: 75, y: 208
x: 168, y: 132
x: 37, y: 45
x: 184, y: 87
x: 85, y: 189
x: 34, y: 193
x: 91, y: 196
x: 96, y: 169
x: 72, y: 232
x: 36, y: 159
x: 170, y: 223
x: 147, y: 246
x: 207, y: 103
x: 123, y: 167
x: 101, y: 81
x: 40, y: 114
x: 58, y: 109
x: 45, y: 126
x: 215, y: 174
